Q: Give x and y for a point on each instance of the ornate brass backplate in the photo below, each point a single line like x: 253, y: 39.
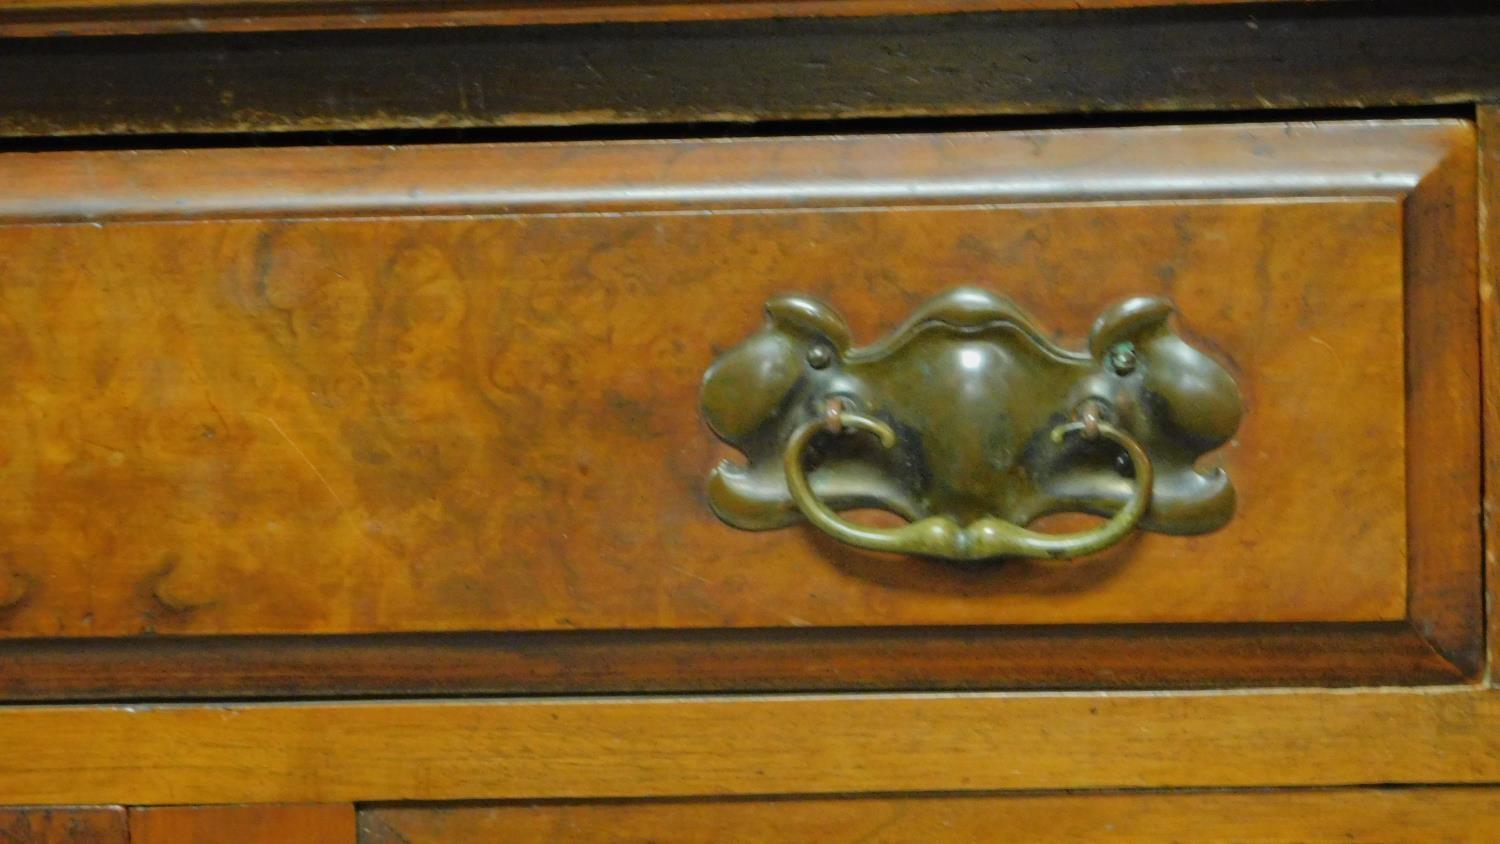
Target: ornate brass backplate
x: 970, y: 423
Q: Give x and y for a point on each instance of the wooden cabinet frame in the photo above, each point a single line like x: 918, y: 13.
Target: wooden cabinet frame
x: 740, y: 745
x: 672, y: 746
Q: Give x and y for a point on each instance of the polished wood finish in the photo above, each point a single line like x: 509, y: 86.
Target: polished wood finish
x: 792, y: 659
x: 325, y: 823
x: 1218, y: 58
x: 1374, y: 159
x: 1489, y: 245
x: 115, y: 17
x: 64, y: 825
x: 1442, y: 394
x: 369, y: 426
x: 984, y: 764
x: 719, y: 746
x: 1393, y: 816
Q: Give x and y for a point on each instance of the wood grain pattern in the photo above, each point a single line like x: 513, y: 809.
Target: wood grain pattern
x: 1489, y: 246
x: 64, y: 825
x: 792, y: 659
x: 1394, y: 816
x: 1442, y: 394
x: 1159, y: 164
x: 1220, y: 58
x: 32, y: 18
x: 327, y: 823
x: 368, y: 425
x: 665, y: 746
x: 418, y: 425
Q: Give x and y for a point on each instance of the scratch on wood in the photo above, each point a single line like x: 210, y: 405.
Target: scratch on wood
x: 305, y: 459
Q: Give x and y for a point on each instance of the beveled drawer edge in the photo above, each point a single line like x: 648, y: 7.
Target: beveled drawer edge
x: 1332, y: 160
x: 801, y: 659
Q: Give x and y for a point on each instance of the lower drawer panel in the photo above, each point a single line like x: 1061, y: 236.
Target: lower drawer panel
x: 426, y: 419
x: 1416, y: 815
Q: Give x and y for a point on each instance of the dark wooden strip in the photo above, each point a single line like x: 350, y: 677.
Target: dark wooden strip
x: 1231, y: 57
x: 1489, y: 360
x: 721, y: 660
x: 117, y: 17
x: 63, y: 825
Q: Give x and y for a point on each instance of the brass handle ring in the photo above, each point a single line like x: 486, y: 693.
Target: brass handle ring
x: 940, y: 536
x: 974, y: 387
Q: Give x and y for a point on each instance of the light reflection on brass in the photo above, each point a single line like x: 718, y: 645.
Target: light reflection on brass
x: 969, y: 423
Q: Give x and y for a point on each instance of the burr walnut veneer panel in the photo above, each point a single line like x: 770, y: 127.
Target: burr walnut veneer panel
x: 386, y: 393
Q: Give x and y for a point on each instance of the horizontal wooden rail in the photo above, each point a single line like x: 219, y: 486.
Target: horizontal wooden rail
x: 657, y: 747
x: 1222, y: 57
x: 116, y: 17
x: 1391, y: 816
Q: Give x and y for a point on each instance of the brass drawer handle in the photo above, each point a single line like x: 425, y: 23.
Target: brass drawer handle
x: 969, y: 423
x: 986, y: 538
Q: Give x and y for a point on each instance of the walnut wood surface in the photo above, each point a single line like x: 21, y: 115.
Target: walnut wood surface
x: 1446, y: 600
x: 115, y: 17
x: 324, y: 823
x: 398, y: 426
x: 64, y: 825
x: 486, y: 420
x: 665, y: 746
x: 1395, y: 816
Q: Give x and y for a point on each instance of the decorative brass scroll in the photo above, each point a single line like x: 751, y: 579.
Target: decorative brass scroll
x: 968, y: 422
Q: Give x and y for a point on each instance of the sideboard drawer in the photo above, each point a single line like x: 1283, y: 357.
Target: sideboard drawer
x: 428, y: 419
x: 1323, y: 815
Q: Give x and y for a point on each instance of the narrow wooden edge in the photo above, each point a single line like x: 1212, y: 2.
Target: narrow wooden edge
x: 1489, y: 275
x: 64, y: 825
x: 1445, y: 545
x: 1210, y: 58
x: 1333, y: 160
x: 1120, y: 657
x: 48, y: 18
x: 683, y: 746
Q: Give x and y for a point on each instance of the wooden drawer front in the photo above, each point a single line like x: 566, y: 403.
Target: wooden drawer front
x: 439, y: 407
x: 1407, y: 815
